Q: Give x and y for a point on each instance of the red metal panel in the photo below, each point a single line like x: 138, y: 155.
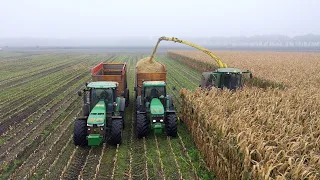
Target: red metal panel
x: 97, y: 68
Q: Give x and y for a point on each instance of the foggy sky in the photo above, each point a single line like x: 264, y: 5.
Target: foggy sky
x: 118, y: 18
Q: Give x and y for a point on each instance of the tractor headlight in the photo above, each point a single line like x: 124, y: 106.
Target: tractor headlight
x: 161, y: 120
x: 89, y: 129
x: 101, y: 128
x: 154, y: 120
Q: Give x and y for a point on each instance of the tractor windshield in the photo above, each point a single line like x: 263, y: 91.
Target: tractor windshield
x: 101, y: 94
x: 232, y: 81
x: 154, y: 92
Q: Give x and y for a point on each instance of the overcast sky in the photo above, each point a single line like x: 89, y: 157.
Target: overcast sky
x: 116, y: 18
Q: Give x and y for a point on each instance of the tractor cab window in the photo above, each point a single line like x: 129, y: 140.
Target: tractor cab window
x: 232, y: 81
x: 154, y: 92
x: 102, y: 94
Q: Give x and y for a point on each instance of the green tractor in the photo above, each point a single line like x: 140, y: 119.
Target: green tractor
x: 103, y: 115
x: 154, y: 110
x: 230, y: 78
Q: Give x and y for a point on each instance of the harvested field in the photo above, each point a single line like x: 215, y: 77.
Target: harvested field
x: 39, y: 104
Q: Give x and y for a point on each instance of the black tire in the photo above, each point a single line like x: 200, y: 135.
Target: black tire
x: 171, y: 125
x: 116, y: 132
x: 142, y: 125
x: 80, y: 133
x: 85, y: 110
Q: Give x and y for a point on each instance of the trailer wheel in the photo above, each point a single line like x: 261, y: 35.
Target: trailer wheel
x: 142, y: 125
x: 171, y: 125
x: 116, y: 132
x: 80, y: 133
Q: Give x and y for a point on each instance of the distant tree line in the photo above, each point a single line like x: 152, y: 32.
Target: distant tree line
x: 308, y: 40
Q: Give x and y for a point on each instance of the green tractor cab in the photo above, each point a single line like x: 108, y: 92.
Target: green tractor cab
x: 103, y: 115
x: 230, y: 78
x: 155, y: 110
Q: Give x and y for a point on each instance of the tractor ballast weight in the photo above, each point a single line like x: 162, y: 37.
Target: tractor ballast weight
x: 103, y: 108
x: 154, y: 107
x: 229, y: 78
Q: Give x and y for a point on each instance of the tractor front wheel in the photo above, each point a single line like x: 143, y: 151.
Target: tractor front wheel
x: 116, y: 132
x: 171, y: 125
x: 142, y: 125
x: 80, y: 133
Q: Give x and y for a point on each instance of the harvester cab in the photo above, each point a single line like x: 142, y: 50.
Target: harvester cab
x: 103, y: 115
x: 155, y: 110
x: 229, y: 78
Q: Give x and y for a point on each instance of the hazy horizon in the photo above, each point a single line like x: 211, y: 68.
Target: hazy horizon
x: 80, y: 19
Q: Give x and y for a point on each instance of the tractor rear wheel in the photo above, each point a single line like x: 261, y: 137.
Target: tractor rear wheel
x: 80, y: 133
x: 142, y: 125
x: 116, y: 132
x: 171, y: 125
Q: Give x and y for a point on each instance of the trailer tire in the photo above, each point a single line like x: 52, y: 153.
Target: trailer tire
x: 171, y: 125
x: 80, y: 133
x: 142, y: 125
x: 116, y: 132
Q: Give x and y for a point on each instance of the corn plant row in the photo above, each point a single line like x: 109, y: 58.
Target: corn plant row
x: 115, y: 160
x: 145, y: 156
x: 37, y: 81
x: 174, y: 67
x: 159, y: 158
x: 53, y: 88
x: 69, y: 162
x: 36, y: 90
x: 36, y: 153
x: 48, y: 171
x: 175, y: 158
x: 33, y: 88
x: 49, y: 106
x: 34, y: 70
x: 85, y: 164
x: 35, y: 136
x: 100, y: 159
x: 267, y: 135
x: 19, y: 148
x: 45, y: 108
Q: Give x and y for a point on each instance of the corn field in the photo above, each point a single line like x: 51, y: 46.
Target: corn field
x: 264, y: 133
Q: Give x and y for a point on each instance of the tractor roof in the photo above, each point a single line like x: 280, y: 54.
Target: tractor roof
x: 102, y: 84
x: 230, y: 70
x: 153, y: 83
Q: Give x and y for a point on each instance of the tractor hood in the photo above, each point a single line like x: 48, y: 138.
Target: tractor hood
x: 156, y: 107
x: 98, y: 114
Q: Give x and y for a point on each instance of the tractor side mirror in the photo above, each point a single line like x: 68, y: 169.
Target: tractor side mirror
x: 79, y: 93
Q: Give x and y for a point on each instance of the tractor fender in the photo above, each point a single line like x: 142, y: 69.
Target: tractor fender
x: 122, y: 104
